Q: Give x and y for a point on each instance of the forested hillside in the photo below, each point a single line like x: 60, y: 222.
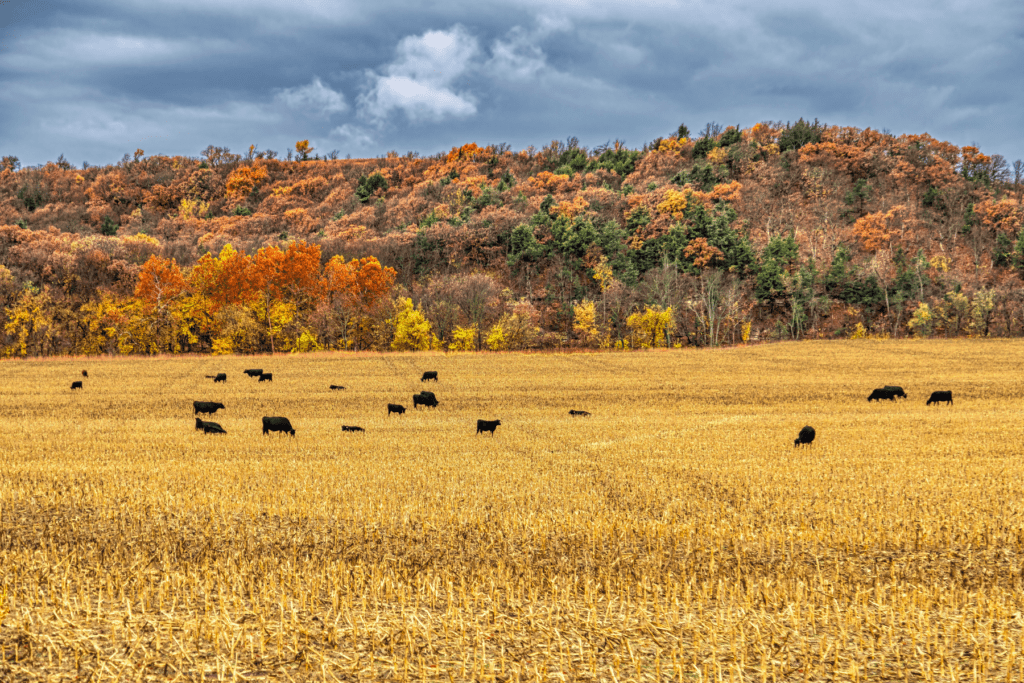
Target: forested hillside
x: 779, y: 231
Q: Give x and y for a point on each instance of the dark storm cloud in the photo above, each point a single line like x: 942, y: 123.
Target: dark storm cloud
x: 97, y: 79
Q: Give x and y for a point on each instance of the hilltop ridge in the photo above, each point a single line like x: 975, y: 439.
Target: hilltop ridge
x: 775, y: 231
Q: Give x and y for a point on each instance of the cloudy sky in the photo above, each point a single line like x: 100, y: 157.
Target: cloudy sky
x: 95, y: 79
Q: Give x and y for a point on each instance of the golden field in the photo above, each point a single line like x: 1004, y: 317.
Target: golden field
x: 676, y: 534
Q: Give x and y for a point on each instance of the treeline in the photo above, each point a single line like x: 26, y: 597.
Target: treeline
x: 775, y: 231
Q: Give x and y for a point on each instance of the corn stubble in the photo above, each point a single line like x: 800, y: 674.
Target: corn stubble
x: 676, y: 534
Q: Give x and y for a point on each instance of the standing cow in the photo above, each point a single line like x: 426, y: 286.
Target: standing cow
x: 487, y: 426
x: 207, y: 407
x: 429, y: 375
x: 395, y: 408
x: 277, y: 424
x: 940, y: 397
x: 895, y: 390
x: 255, y: 372
x: 881, y: 395
x: 424, y: 398
x: 806, y: 436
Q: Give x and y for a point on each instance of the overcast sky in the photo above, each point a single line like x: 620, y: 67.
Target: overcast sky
x: 95, y: 79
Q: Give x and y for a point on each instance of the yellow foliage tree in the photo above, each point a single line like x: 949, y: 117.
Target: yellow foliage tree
x: 303, y: 149
x: 514, y: 331
x: 675, y: 203
x: 463, y: 338
x: 306, y: 342
x: 572, y: 209
x: 31, y: 322
x: 496, y: 339
x: 193, y: 208
x: 585, y: 322
x: 651, y: 326
x: 222, y: 346
x: 412, y: 330
x: 718, y: 155
x: 922, y: 321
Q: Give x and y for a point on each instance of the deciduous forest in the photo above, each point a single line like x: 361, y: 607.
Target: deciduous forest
x: 724, y: 236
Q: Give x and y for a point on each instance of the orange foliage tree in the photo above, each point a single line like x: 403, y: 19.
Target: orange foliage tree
x: 244, y: 179
x: 353, y: 292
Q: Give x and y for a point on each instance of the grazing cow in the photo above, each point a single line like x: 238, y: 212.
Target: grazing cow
x: 267, y: 377
x: 897, y: 392
x: 351, y: 428
x: 335, y: 387
x: 487, y: 426
x: 579, y: 413
x: 395, y: 408
x: 219, y: 377
x: 85, y: 373
x: 76, y: 385
x: 881, y: 395
x: 209, y: 427
x: 424, y: 398
x: 208, y: 407
x: 253, y: 373
x: 940, y: 397
x: 277, y: 424
x: 806, y: 436
x: 432, y: 374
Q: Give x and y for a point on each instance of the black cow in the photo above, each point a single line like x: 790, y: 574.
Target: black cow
x: 487, y: 426
x: 85, y: 373
x: 897, y: 392
x: 208, y: 407
x: 209, y: 427
x: 940, y: 397
x: 219, y: 377
x: 277, y: 424
x: 395, y: 408
x: 579, y: 413
x: 432, y: 374
x: 267, y: 377
x: 335, y: 387
x: 806, y: 436
x: 881, y: 395
x: 424, y: 398
x: 76, y: 385
x: 253, y: 373
x: 351, y: 428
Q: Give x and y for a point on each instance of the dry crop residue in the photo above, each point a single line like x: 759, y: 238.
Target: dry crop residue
x: 677, y: 535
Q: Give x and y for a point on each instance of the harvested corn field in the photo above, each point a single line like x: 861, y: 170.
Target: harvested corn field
x: 673, y: 534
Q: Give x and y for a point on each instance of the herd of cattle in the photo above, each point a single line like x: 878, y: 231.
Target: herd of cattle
x: 281, y: 424
x: 889, y: 392
x: 427, y: 398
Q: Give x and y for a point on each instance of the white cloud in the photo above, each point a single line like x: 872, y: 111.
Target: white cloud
x: 315, y: 97
x: 421, y: 80
x: 354, y: 136
x: 516, y: 58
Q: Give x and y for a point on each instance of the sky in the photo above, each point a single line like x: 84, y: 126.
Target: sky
x: 96, y: 79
